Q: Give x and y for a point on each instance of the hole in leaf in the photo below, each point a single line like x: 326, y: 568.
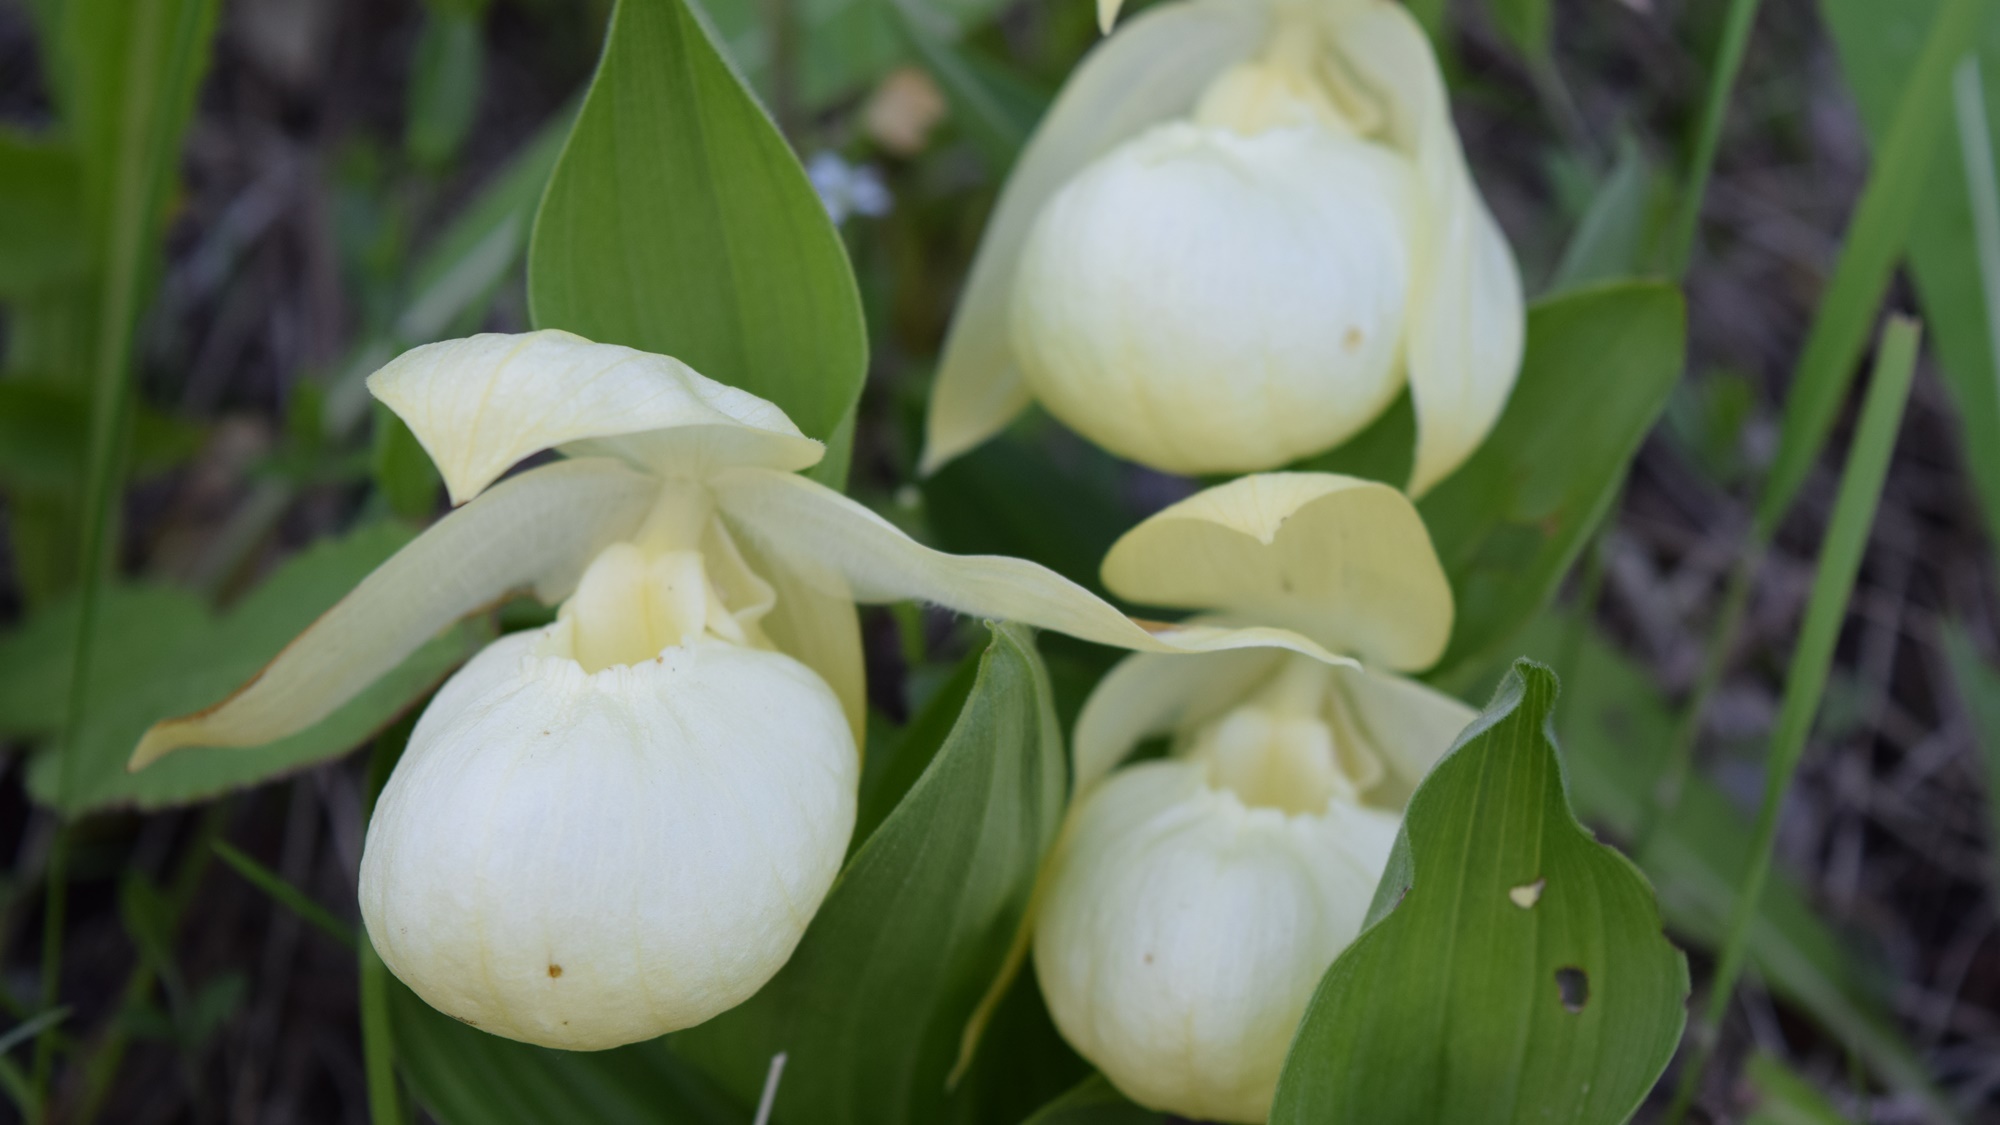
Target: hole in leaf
x: 1527, y: 894
x: 1573, y: 985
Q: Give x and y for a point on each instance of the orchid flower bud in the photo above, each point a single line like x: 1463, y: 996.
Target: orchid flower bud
x: 1239, y: 235
x: 1192, y: 903
x: 620, y: 824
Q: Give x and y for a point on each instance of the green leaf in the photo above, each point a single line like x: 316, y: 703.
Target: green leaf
x: 678, y: 222
x: 1094, y: 1102
x: 840, y: 45
x: 1909, y: 125
x: 1616, y: 237
x: 445, y: 84
x: 1617, y: 731
x: 1508, y: 524
x: 1879, y: 47
x: 467, y: 1077
x: 1784, y: 1098
x: 160, y: 653
x: 871, y: 1007
x: 403, y: 472
x: 1517, y: 971
x: 42, y: 234
x: 43, y: 437
x: 1525, y: 23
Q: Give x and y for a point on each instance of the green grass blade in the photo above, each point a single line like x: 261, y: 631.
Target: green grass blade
x: 292, y: 898
x: 1876, y: 238
x: 1975, y: 147
x: 1833, y: 584
x: 1708, y: 137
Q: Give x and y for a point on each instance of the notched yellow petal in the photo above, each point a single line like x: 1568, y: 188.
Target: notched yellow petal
x: 1347, y: 562
x: 481, y: 404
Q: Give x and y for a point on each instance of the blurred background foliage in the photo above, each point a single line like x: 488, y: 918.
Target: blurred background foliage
x: 217, y: 218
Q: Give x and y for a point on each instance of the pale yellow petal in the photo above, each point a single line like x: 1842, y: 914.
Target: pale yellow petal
x: 481, y: 404
x: 1467, y: 318
x: 538, y: 530
x: 1408, y: 724
x: 1149, y: 694
x: 1153, y: 70
x: 1347, y: 562
x: 847, y: 550
x: 818, y: 628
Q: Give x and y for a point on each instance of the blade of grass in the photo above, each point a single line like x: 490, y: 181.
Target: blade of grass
x: 1975, y: 147
x: 28, y: 1029
x: 1742, y: 16
x: 292, y: 898
x: 1805, y: 682
x: 1876, y: 237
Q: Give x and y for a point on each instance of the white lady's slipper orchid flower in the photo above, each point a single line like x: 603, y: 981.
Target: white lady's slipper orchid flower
x: 620, y: 824
x: 1243, y: 229
x: 1192, y: 903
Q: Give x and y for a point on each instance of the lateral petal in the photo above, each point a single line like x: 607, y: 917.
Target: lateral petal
x: 481, y: 404
x: 1468, y: 321
x: 1345, y: 561
x: 845, y: 549
x: 1153, y: 70
x: 538, y: 530
x: 1150, y: 694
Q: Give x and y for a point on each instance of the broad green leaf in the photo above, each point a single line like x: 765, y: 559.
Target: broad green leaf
x: 1508, y: 524
x: 678, y: 222
x: 1617, y: 729
x: 871, y: 1007
x: 1879, y: 45
x: 42, y: 233
x: 1617, y: 235
x: 160, y: 653
x: 1514, y: 969
x: 467, y: 1077
x: 1094, y: 1102
x: 1599, y: 367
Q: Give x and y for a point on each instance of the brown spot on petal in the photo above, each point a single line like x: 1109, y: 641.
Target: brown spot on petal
x: 555, y: 971
x: 1352, y: 339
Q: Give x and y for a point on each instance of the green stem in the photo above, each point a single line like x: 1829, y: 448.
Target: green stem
x: 1742, y: 16
x: 1805, y: 682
